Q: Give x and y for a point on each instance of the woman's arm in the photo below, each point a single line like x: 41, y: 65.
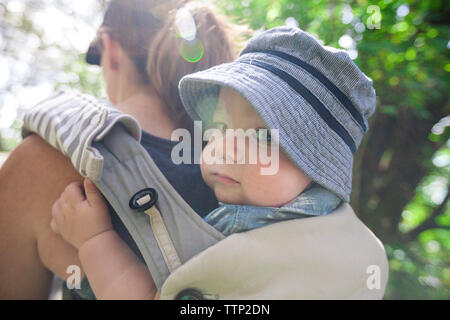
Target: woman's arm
x: 31, y: 179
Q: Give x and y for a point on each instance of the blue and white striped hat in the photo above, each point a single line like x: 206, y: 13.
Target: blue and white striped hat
x: 315, y: 95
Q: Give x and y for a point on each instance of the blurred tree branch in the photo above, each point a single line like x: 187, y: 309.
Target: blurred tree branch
x: 429, y: 223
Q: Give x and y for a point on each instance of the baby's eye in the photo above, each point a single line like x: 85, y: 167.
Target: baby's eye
x: 263, y: 135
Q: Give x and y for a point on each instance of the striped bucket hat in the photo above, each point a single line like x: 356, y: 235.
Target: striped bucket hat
x: 315, y: 95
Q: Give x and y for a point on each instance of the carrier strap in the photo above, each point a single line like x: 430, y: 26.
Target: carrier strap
x: 163, y: 238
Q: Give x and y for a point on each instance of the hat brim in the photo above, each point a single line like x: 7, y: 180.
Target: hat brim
x: 304, y: 136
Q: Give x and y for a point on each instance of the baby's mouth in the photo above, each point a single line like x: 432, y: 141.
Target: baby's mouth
x: 224, y: 179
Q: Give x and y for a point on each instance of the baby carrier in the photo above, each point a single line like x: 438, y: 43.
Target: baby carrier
x: 330, y: 257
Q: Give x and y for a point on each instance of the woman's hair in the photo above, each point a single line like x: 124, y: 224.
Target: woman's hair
x: 171, y: 56
x: 147, y: 30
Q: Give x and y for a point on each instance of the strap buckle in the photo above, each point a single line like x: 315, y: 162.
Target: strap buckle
x: 143, y: 199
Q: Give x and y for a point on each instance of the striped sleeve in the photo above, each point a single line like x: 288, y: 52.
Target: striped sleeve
x: 71, y: 122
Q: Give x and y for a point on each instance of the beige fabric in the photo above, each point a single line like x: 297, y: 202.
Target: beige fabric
x: 163, y: 239
x: 327, y: 257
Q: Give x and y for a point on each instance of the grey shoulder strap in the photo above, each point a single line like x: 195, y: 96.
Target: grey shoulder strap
x: 103, y: 144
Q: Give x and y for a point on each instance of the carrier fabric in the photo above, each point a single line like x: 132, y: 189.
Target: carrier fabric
x: 103, y: 145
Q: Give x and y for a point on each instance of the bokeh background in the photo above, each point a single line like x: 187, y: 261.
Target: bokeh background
x: 402, y: 170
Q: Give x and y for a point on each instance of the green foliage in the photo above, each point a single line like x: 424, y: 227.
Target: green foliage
x: 83, y: 77
x: 418, y: 269
x: 407, y: 55
x: 36, y: 58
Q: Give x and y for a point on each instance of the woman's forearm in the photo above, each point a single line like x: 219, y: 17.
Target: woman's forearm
x: 113, y: 270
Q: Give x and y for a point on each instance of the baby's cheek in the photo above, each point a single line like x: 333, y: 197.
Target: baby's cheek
x: 274, y: 190
x: 205, y: 169
x: 262, y: 190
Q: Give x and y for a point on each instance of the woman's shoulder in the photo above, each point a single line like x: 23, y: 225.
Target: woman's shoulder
x: 35, y: 174
x: 37, y: 160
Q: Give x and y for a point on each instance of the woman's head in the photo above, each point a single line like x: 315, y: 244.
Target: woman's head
x: 140, y: 41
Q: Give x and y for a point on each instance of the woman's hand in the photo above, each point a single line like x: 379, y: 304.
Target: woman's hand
x: 78, y: 217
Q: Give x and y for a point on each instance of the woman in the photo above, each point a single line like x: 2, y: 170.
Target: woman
x: 141, y: 82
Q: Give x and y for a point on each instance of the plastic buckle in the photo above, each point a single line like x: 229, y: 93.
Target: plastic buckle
x: 190, y: 294
x: 144, y: 199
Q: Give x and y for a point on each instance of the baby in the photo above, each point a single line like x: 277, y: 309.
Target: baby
x: 248, y: 198
x: 316, y: 99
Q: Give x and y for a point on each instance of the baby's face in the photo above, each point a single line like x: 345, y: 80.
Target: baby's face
x: 244, y: 183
